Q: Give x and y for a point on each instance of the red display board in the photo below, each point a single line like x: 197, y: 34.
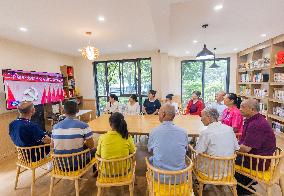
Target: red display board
x: 38, y: 87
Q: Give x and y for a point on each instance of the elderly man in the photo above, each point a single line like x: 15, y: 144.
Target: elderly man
x: 258, y: 138
x: 168, y: 142
x: 219, y: 104
x: 25, y: 133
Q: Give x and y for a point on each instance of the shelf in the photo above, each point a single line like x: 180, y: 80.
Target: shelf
x: 277, y: 83
x: 276, y: 117
x: 253, y: 83
x: 277, y: 66
x: 276, y: 100
x: 254, y: 69
x: 259, y: 98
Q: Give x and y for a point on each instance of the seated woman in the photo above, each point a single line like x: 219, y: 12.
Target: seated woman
x: 133, y: 107
x: 116, y: 143
x: 151, y: 105
x: 169, y: 99
x: 232, y: 115
x: 113, y: 105
x: 195, y: 105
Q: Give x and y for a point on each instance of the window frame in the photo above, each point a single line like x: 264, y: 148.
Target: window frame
x: 228, y: 59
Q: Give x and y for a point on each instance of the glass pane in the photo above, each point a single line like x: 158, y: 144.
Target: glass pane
x: 191, y: 79
x: 102, y: 104
x: 113, y: 77
x: 123, y: 101
x: 128, y: 77
x: 146, y: 76
x: 214, y: 79
x: 101, y: 79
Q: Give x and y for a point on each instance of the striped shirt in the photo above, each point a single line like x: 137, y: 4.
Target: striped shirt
x: 69, y: 136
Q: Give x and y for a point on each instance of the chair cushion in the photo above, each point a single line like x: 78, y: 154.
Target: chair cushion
x: 204, y: 176
x: 174, y: 189
x: 267, y: 174
x: 115, y: 179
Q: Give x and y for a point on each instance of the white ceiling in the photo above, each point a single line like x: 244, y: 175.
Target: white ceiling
x: 168, y: 25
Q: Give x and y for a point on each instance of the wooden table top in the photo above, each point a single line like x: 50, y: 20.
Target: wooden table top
x: 142, y: 125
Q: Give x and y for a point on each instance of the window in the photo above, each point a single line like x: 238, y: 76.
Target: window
x: 196, y: 75
x: 123, y: 78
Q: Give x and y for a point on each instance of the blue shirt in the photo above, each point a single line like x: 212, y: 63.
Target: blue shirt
x: 151, y: 106
x: 25, y: 133
x: 169, y: 144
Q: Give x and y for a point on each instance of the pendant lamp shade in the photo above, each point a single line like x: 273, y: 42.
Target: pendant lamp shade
x: 214, y: 65
x: 204, y: 54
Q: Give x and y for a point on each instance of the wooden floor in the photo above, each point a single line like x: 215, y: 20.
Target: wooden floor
x: 88, y: 184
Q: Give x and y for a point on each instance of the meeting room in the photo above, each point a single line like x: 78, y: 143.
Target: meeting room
x: 142, y: 97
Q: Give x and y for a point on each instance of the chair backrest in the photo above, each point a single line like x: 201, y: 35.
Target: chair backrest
x: 217, y: 169
x: 29, y: 155
x: 67, y: 164
x: 115, y: 169
x: 259, y: 164
x: 170, y: 182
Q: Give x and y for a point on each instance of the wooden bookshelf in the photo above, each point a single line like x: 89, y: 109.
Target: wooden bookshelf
x: 267, y: 49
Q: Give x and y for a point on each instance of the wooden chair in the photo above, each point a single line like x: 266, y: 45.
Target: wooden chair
x: 31, y: 158
x: 116, y: 172
x: 267, y: 177
x: 71, y: 167
x: 170, y: 183
x: 214, y: 170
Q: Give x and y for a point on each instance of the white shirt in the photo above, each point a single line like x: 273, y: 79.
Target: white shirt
x: 132, y: 109
x: 220, y: 107
x: 175, y: 104
x: 217, y: 140
x: 112, y: 107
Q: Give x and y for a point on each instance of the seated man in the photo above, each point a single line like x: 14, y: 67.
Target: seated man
x: 219, y: 103
x: 25, y: 133
x: 168, y: 142
x: 218, y: 139
x: 71, y: 135
x: 258, y: 138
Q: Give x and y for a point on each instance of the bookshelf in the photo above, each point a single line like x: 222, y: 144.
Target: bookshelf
x: 259, y: 76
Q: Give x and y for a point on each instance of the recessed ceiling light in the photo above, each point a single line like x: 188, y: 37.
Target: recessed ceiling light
x: 195, y: 41
x: 129, y: 46
x: 23, y: 29
x: 187, y: 52
x: 218, y: 7
x: 235, y: 49
x: 101, y: 18
x: 79, y: 50
x: 263, y: 35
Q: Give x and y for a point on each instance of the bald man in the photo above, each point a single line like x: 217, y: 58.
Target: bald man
x: 25, y: 133
x: 219, y: 103
x: 258, y: 138
x: 168, y: 142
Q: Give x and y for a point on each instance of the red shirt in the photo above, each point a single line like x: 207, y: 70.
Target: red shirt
x: 198, y: 107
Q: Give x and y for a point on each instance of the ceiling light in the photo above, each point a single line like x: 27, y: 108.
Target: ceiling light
x: 186, y: 52
x: 101, y: 18
x: 23, y: 29
x: 214, y: 65
x: 204, y: 53
x: 195, y: 41
x: 218, y: 7
x: 90, y: 52
x: 129, y: 46
x: 263, y: 35
x: 235, y: 49
x: 79, y: 50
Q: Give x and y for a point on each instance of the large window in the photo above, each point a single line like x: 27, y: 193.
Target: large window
x: 197, y: 75
x: 123, y: 78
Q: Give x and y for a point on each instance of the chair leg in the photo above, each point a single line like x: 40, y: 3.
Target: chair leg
x: 51, y: 186
x: 200, y: 189
x: 99, y: 191
x: 131, y: 189
x: 235, y: 193
x: 33, y: 182
x: 17, y: 176
x: 77, y: 187
x: 281, y: 182
x: 268, y: 189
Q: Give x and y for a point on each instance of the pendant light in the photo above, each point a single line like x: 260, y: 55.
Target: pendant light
x: 90, y: 52
x: 205, y: 53
x: 214, y: 65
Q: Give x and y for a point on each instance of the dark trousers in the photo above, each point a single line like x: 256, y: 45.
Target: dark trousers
x: 242, y: 179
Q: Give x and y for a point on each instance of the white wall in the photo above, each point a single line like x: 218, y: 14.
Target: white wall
x: 166, y: 72
x: 19, y: 56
